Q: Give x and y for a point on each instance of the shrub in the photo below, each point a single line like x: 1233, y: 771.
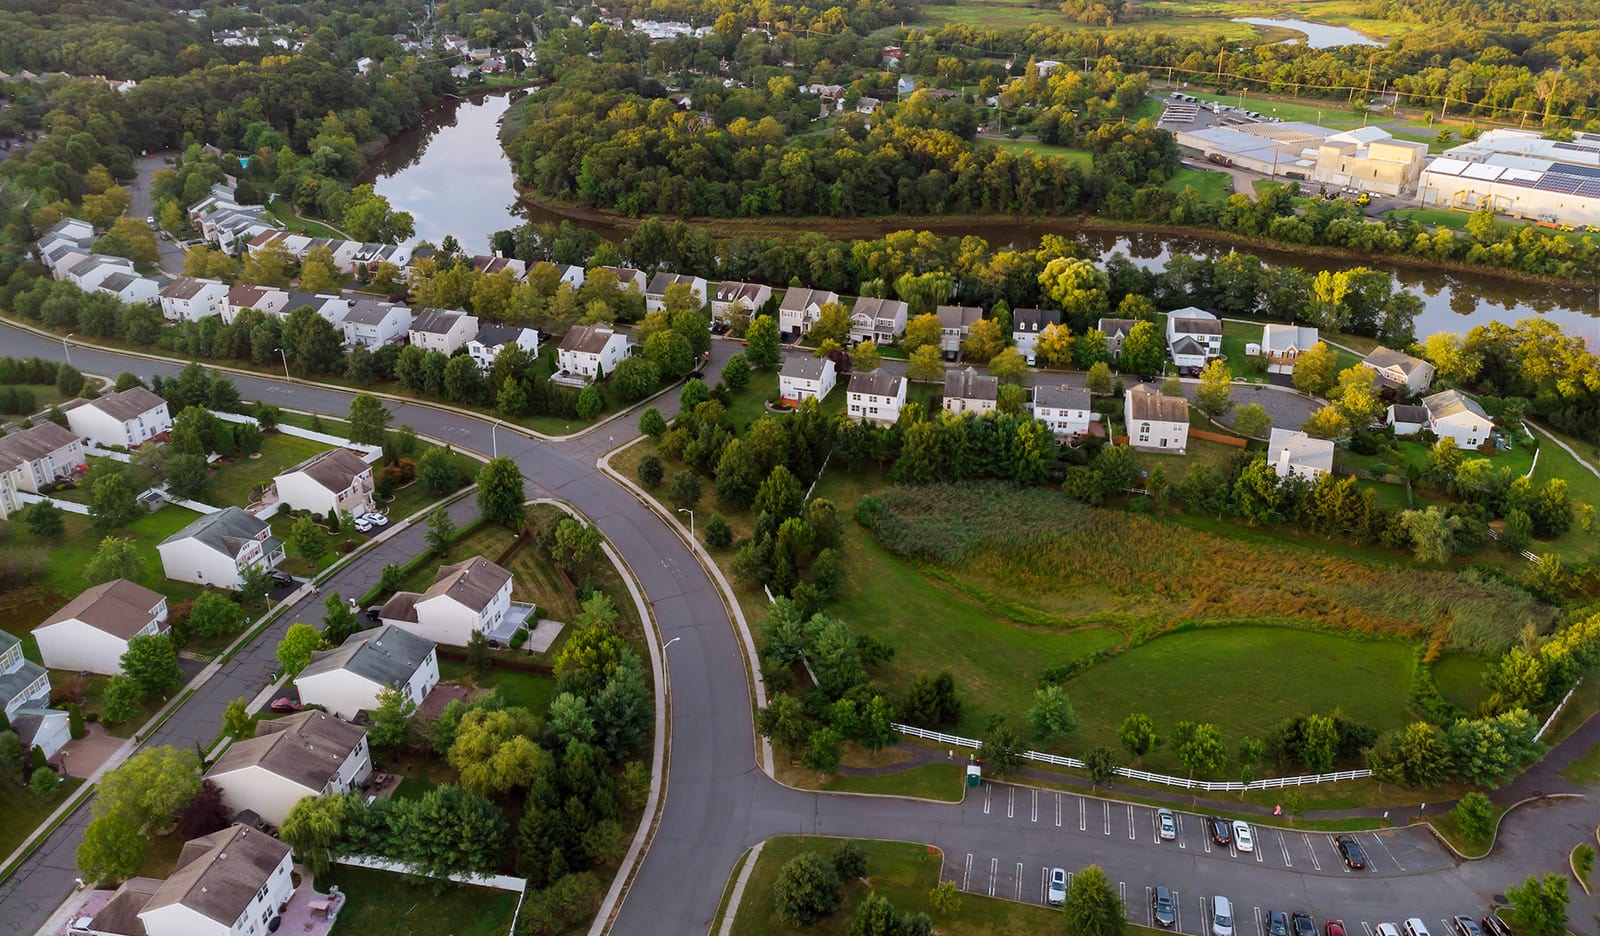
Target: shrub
x: 1475, y: 816
x: 519, y: 637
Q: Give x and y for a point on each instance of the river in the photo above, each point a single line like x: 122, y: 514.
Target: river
x: 453, y: 176
x: 1315, y: 35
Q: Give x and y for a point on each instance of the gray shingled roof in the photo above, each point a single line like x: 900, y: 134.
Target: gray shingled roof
x: 118, y: 607
x: 1112, y: 327
x: 798, y: 298
x: 218, y: 875
x: 121, y: 912
x: 968, y: 384
x: 18, y: 679
x: 306, y: 748
x: 34, y: 443
x: 803, y: 367
x: 1061, y: 396
x: 473, y: 582
x: 117, y: 282
x: 334, y: 469
x: 369, y: 312
x: 1034, y: 320
x: 586, y: 339
x: 1449, y: 403
x: 1407, y: 413
x: 1381, y: 358
x: 226, y: 531
x: 436, y: 321
x: 492, y: 336
x: 126, y: 404
x: 186, y: 287
x: 386, y: 655
x: 878, y: 308
x: 957, y: 316
x: 875, y: 382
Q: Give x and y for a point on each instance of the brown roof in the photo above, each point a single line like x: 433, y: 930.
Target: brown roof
x: 306, y: 748
x: 127, y: 404
x: 121, y: 914
x: 246, y: 295
x: 118, y: 607
x: 218, y: 875
x: 32, y: 444
x: 401, y: 607
x: 1146, y: 402
x: 185, y: 287
x: 473, y: 583
x: 586, y: 339
x: 334, y: 469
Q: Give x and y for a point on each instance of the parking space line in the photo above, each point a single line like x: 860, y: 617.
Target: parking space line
x: 1044, y: 885
x: 1130, y: 824
x: 1448, y: 926
x: 1058, y: 810
x: 1205, y: 836
x: 1284, y: 847
x: 1181, y: 842
x: 1333, y: 843
x: 1311, y: 851
x: 1011, y: 802
x: 966, y: 876
x: 1107, y: 808
x: 1149, y: 910
x: 1035, y: 805
x: 1204, y: 915
x: 1122, y: 892
x: 1385, y: 846
x: 1177, y: 912
x: 1255, y: 839
x: 1367, y: 927
x: 994, y: 874
x: 988, y: 792
x: 1019, y: 880
x: 1083, y: 814
x: 1258, y: 921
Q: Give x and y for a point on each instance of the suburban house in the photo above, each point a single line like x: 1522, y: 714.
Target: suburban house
x: 306, y: 754
x: 628, y: 277
x: 241, y: 296
x: 1116, y: 332
x: 954, y: 321
x: 1293, y: 454
x: 589, y: 352
x: 337, y: 480
x: 130, y: 288
x: 1156, y: 422
x: 61, y: 256
x: 443, y: 330
x: 91, y: 270
x: 1066, y: 410
x: 800, y: 307
x: 1407, y: 419
x: 1026, y: 324
x: 228, y: 883
x: 875, y: 396
x: 332, y: 308
x: 1194, y: 337
x: 373, y: 324
x: 1451, y: 415
x: 1281, y: 345
x: 877, y: 320
x: 70, y: 231
x: 486, y: 344
x: 1399, y: 370
x: 806, y: 378
x: 187, y: 299
x: 219, y: 547
x: 346, y: 680
x: 128, y: 417
x: 38, y: 456
x: 23, y: 683
x: 91, y: 632
x: 9, y: 504
x: 655, y: 294
x: 967, y: 391
x: 490, y: 264
x: 47, y: 729
x: 571, y: 274
x: 733, y: 298
x: 473, y: 595
x: 366, y: 259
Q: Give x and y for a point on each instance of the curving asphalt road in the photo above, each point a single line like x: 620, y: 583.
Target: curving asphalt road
x: 718, y: 803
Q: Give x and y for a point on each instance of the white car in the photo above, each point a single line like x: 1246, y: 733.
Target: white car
x: 1167, y: 824
x: 376, y: 519
x: 1221, y: 916
x: 1057, y: 894
x: 362, y: 525
x: 1242, y: 839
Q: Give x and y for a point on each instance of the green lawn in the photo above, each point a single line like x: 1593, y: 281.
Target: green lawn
x: 381, y: 902
x: 1585, y: 769
x: 299, y: 225
x: 1210, y: 186
x: 24, y: 811
x: 232, y: 483
x: 930, y: 781
x: 1200, y: 452
x: 1329, y: 114
x: 1077, y: 157
x: 89, y: 692
x: 904, y: 872
x: 1020, y: 14
x: 70, y: 553
x: 1459, y: 677
x: 748, y: 404
x: 531, y: 691
x: 1245, y: 680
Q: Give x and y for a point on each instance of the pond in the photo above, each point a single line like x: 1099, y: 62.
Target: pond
x: 1315, y: 35
x: 454, y: 177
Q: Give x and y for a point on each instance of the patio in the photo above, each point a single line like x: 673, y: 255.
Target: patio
x: 311, y: 913
x: 516, y: 617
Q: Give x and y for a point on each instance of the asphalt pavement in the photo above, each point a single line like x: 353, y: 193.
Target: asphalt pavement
x: 718, y: 802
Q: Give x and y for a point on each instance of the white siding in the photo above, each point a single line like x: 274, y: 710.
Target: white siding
x: 74, y: 645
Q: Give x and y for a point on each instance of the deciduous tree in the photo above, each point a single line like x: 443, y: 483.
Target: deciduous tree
x: 500, y: 494
x: 296, y: 647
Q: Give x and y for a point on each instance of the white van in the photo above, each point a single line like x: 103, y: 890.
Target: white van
x: 1414, y: 927
x: 1221, y: 916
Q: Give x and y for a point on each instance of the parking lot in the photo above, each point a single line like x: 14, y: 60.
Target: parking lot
x: 1010, y: 837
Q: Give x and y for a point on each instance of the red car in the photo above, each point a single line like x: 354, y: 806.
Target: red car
x: 1334, y: 928
x: 286, y: 704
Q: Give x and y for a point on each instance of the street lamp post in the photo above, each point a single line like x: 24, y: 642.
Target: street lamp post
x: 285, y: 355
x: 691, y: 519
x: 67, y: 348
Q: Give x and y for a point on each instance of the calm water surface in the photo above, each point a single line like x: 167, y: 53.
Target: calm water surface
x: 1317, y: 35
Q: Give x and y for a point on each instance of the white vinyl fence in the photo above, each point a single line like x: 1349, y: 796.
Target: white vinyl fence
x: 1128, y: 773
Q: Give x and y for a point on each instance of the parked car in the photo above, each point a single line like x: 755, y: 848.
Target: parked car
x: 1221, y: 834
x: 1414, y: 927
x: 1221, y: 916
x: 1058, y: 887
x: 377, y: 519
x: 1464, y: 925
x: 1333, y: 928
x: 1494, y: 926
x: 1166, y: 824
x: 374, y: 613
x: 362, y: 525
x: 1389, y: 929
x: 285, y: 704
x: 280, y: 578
x: 1163, y: 908
x: 1277, y: 923
x: 1354, y: 857
x: 1242, y: 837
x: 1302, y: 925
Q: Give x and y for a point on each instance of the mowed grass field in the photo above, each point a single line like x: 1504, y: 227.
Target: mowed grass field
x: 389, y: 903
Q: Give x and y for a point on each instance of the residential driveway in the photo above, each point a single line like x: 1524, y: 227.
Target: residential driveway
x: 84, y: 756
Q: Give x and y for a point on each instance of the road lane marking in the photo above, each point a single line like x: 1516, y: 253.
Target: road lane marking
x: 1205, y: 836
x: 1385, y: 846
x: 994, y: 874
x: 1284, y: 847
x: 1035, y: 805
x: 988, y: 791
x: 1311, y: 851
x: 966, y: 877
x: 1011, y: 802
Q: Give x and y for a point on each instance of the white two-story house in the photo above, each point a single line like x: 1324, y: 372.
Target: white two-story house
x: 218, y: 548
x: 337, y: 480
x: 490, y: 339
x: 306, y: 754
x: 967, y: 391
x: 954, y: 322
x: 91, y: 632
x: 40, y: 455
x: 373, y: 324
x: 1156, y: 422
x: 473, y: 595
x: 875, y: 396
x: 733, y: 299
x: 23, y: 683
x: 1399, y: 370
x: 1282, y: 345
x: 806, y: 378
x: 128, y: 417
x: 877, y: 320
x: 443, y: 330
x: 188, y: 299
x: 229, y: 883
x: 1027, y: 325
x: 347, y: 679
x: 800, y: 307
x: 1293, y: 454
x: 265, y: 299
x: 1194, y: 337
x: 589, y: 352
x: 1066, y: 410
x: 655, y: 293
x: 1452, y: 415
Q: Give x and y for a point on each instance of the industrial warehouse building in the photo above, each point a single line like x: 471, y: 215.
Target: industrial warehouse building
x: 1521, y: 174
x: 1367, y: 159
